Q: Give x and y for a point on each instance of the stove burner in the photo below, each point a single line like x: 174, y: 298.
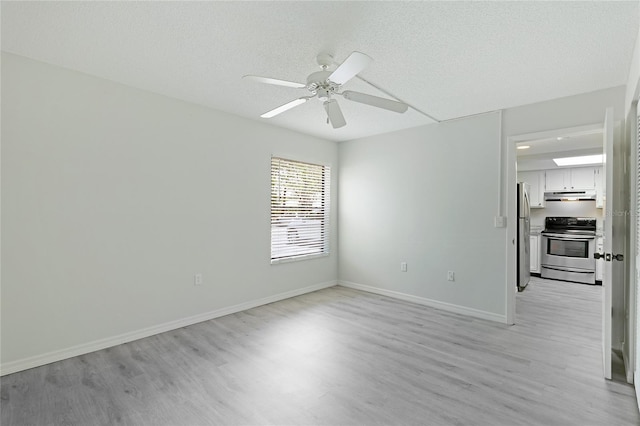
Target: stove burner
x: 570, y: 225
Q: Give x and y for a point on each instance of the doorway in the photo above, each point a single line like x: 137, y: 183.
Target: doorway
x: 558, y: 192
x: 542, y: 148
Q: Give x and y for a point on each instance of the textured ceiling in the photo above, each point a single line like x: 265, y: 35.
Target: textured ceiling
x: 448, y: 59
x: 540, y: 154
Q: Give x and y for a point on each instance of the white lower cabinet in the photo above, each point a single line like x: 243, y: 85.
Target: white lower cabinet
x: 599, y: 262
x: 534, y: 252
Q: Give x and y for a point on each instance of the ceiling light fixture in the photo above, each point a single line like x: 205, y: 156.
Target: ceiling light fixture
x: 578, y: 161
x: 524, y: 147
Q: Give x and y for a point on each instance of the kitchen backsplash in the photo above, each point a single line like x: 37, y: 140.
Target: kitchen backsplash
x: 566, y: 208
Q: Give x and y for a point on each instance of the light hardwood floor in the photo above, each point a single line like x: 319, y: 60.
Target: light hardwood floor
x: 340, y: 356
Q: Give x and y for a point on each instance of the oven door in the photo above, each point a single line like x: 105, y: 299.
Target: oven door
x: 568, y: 251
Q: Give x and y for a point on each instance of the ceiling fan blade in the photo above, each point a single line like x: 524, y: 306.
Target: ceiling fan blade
x: 285, y: 107
x: 334, y: 113
x: 351, y: 66
x: 275, y: 81
x: 375, y: 101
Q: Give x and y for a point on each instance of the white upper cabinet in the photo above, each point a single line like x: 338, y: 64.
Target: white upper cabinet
x: 557, y: 179
x: 566, y: 179
x: 579, y: 178
x: 535, y: 180
x: 583, y: 178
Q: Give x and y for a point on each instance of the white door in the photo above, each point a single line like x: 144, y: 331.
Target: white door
x: 607, y: 281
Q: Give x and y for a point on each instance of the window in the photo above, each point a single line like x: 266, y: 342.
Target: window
x: 299, y: 209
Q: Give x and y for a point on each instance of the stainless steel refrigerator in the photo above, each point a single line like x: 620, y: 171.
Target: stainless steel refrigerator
x: 524, y: 257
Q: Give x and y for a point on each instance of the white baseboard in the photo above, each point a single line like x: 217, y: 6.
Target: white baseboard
x: 96, y: 345
x: 636, y: 377
x: 625, y: 359
x: 463, y: 310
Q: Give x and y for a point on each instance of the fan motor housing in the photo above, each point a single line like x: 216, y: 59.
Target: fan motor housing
x: 318, y: 81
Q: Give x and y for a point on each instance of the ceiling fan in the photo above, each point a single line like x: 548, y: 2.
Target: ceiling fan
x: 325, y: 84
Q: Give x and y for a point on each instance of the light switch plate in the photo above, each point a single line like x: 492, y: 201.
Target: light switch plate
x: 499, y: 221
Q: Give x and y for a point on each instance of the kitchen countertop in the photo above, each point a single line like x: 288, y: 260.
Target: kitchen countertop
x: 535, y: 230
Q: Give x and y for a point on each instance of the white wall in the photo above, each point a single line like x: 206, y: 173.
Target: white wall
x: 631, y: 110
x: 113, y: 198
x: 568, y: 112
x: 427, y: 196
x: 632, y: 92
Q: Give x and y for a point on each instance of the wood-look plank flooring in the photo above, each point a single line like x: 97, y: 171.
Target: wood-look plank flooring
x: 340, y: 356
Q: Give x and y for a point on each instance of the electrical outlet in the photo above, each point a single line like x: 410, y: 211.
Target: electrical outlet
x: 451, y: 276
x: 403, y: 266
x: 197, y: 279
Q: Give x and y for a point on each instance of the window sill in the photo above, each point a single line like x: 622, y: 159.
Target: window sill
x: 298, y: 258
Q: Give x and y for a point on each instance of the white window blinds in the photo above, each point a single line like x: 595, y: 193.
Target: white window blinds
x: 299, y: 209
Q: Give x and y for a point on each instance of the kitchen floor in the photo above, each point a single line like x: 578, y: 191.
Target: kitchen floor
x: 617, y: 368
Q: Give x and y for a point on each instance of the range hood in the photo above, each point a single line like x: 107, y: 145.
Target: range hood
x: 570, y: 196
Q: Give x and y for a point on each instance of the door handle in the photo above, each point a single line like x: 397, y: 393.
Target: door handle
x: 609, y: 257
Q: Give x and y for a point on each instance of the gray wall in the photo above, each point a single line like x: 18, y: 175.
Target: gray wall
x: 427, y: 196
x: 113, y: 198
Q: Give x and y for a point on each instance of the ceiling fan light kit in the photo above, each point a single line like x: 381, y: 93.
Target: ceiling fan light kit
x: 324, y: 84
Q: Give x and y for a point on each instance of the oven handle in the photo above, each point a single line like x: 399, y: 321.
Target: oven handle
x: 565, y: 238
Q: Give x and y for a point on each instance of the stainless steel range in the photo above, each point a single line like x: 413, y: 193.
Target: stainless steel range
x: 568, y: 244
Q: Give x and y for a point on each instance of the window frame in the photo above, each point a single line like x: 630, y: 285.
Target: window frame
x: 317, y: 192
